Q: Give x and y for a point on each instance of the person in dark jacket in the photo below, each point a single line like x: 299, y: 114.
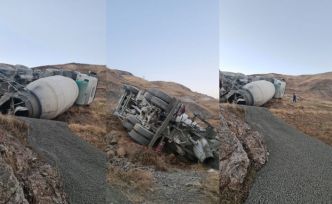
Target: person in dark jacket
x: 294, y: 98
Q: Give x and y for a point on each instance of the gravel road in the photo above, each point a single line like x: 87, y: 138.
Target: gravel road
x: 82, y: 166
x: 299, y: 169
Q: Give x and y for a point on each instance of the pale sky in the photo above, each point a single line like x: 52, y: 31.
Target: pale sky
x: 40, y: 32
x: 168, y: 40
x: 283, y: 36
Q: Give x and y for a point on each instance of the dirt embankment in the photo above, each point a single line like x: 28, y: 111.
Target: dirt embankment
x: 313, y: 111
x: 24, y: 176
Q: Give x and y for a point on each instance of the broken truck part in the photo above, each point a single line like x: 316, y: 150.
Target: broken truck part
x: 55, y: 95
x: 87, y: 89
x: 44, y: 97
x: 155, y: 119
x: 255, y: 93
x: 249, y: 90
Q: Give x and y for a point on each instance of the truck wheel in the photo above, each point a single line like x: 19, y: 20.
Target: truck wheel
x: 159, y: 103
x: 148, y: 96
x: 190, y: 155
x: 138, y: 138
x: 132, y: 119
x: 159, y: 94
x: 143, y: 131
x: 132, y: 89
x: 212, y: 162
x: 127, y: 125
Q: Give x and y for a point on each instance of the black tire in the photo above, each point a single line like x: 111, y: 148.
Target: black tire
x: 190, y: 155
x: 212, y: 162
x: 143, y: 131
x: 132, y: 89
x: 138, y: 138
x: 159, y: 103
x: 132, y: 119
x: 148, y: 96
x: 159, y: 94
x: 127, y: 125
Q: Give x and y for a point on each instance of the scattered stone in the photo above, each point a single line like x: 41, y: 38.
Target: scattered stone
x: 114, y: 141
x: 112, y: 137
x: 196, y: 184
x: 121, y: 152
x: 3, y: 149
x: 110, y: 153
x: 212, y: 171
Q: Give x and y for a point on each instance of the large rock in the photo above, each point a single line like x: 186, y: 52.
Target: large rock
x: 251, y: 140
x: 234, y: 163
x: 10, y: 190
x: 242, y: 152
x: 255, y: 147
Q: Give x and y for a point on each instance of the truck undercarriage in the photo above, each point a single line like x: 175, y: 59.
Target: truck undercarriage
x: 155, y: 119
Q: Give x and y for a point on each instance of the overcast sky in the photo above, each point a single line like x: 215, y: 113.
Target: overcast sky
x: 282, y: 36
x: 168, y: 40
x: 40, y: 32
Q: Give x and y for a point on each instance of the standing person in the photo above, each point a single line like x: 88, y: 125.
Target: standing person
x: 294, y: 98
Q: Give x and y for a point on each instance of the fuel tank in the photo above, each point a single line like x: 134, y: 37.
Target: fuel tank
x: 257, y: 93
x: 55, y: 95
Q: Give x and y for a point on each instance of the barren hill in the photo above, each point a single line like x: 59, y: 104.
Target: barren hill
x: 317, y: 85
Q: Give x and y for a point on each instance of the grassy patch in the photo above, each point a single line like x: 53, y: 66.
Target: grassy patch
x: 149, y: 157
x: 210, y: 186
x: 136, y: 178
x: 93, y: 134
x: 14, y: 126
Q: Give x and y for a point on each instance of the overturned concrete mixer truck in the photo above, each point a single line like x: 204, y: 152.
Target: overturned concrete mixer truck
x: 155, y: 119
x: 249, y: 90
x: 30, y: 93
